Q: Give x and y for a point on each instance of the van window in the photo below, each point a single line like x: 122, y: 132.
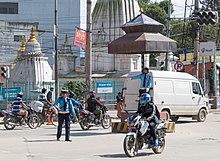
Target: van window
x: 182, y: 87
x: 196, y: 88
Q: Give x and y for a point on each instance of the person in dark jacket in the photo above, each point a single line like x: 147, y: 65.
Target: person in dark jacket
x: 50, y: 95
x: 148, y: 111
x: 93, y: 104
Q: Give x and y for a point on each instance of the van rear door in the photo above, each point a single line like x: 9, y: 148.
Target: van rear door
x: 183, y: 95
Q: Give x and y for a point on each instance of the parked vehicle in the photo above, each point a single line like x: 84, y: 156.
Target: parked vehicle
x: 176, y: 93
x: 134, y: 139
x: 11, y: 119
x: 87, y: 119
x: 43, y: 112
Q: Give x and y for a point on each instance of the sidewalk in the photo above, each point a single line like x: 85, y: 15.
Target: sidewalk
x: 214, y: 110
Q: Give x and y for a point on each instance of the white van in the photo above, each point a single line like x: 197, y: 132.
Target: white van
x: 179, y: 94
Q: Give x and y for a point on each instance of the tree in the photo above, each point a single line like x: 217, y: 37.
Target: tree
x: 155, y: 11
x: 78, y: 87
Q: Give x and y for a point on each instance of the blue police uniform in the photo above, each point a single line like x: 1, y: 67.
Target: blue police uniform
x: 66, y: 108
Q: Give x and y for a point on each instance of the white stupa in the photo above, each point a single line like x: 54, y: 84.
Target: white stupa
x: 31, y: 66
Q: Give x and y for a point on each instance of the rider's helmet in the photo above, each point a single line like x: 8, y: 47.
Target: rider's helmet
x: 71, y: 94
x: 20, y: 94
x: 92, y: 93
x: 145, y: 70
x: 145, y: 99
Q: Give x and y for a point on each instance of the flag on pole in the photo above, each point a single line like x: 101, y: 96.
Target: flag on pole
x: 80, y: 39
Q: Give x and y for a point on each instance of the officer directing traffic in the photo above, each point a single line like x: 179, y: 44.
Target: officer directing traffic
x: 65, y: 107
x: 145, y: 79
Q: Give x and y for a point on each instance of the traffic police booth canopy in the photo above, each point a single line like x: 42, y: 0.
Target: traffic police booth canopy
x: 142, y: 37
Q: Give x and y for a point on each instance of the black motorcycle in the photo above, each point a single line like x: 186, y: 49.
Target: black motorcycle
x: 12, y: 119
x: 134, y: 139
x: 88, y: 119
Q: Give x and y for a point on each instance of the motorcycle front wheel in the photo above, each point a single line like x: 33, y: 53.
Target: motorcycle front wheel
x: 84, y: 124
x: 129, y: 146
x: 106, y: 121
x: 8, y: 123
x: 160, y: 147
x: 33, y: 121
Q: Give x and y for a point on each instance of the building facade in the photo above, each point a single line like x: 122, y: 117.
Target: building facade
x: 71, y: 14
x: 10, y: 39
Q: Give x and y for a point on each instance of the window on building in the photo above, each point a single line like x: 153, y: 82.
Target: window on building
x: 124, y: 64
x: 8, y: 8
x: 135, y: 63
x: 18, y: 38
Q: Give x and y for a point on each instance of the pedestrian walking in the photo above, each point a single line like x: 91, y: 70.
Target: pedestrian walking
x: 65, y: 107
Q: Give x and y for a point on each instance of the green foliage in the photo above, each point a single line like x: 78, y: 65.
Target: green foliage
x: 155, y: 11
x: 78, y: 87
x: 164, y: 4
x: 183, y: 35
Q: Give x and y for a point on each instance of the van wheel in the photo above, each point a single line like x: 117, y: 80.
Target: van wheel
x: 167, y: 113
x: 174, y: 118
x: 201, y: 115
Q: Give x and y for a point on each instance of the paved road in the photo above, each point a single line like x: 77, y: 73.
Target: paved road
x: 192, y: 141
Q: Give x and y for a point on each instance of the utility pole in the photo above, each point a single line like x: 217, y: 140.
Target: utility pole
x: 196, y: 43
x: 56, y: 50
x: 168, y: 32
x: 88, y: 54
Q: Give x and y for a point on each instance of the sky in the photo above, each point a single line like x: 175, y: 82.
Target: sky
x: 179, y: 7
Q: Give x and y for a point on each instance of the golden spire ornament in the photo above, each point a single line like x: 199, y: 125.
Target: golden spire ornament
x: 22, y: 47
x: 32, y: 37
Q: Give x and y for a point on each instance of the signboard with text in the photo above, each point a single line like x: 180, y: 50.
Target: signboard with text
x: 104, y: 87
x: 12, y: 93
x: 80, y: 38
x: 207, y: 48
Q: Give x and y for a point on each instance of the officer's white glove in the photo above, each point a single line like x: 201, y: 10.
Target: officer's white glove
x: 147, y: 89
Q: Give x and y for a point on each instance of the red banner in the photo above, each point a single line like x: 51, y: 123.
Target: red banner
x: 80, y: 39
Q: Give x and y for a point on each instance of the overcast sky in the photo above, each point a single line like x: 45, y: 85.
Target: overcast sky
x: 179, y: 7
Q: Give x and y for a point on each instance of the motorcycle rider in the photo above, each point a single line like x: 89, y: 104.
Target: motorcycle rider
x: 18, y: 107
x: 47, y: 105
x: 42, y: 97
x: 92, y: 103
x: 148, y: 111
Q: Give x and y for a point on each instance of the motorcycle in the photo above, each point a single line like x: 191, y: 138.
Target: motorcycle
x: 87, y: 119
x: 11, y: 119
x: 43, y: 112
x: 134, y: 139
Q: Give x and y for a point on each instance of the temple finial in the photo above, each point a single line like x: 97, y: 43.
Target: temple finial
x: 22, y: 47
x: 32, y: 37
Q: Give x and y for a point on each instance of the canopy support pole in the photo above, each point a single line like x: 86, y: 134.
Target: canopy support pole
x: 142, y: 61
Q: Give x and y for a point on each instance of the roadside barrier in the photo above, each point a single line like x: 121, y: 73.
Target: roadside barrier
x: 121, y: 127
